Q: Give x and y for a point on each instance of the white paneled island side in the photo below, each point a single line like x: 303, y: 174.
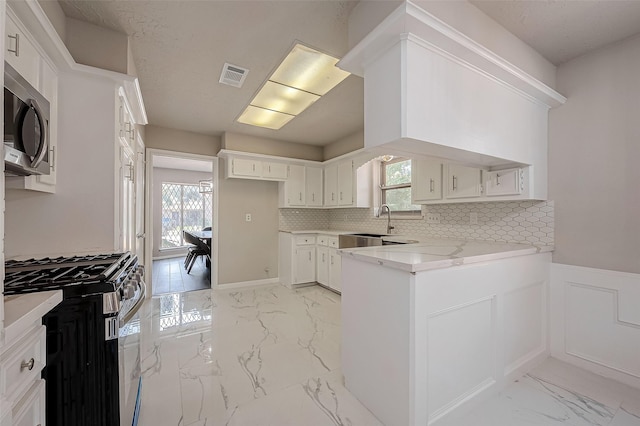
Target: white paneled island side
x: 437, y: 326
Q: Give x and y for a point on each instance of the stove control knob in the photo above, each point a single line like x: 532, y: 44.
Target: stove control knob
x: 128, y: 291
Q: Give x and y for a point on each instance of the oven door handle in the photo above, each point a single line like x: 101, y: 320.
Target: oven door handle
x: 135, y: 308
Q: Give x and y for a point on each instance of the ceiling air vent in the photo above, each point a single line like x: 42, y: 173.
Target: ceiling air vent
x: 233, y: 75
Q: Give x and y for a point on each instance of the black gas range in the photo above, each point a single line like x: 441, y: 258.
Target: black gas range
x: 92, y: 371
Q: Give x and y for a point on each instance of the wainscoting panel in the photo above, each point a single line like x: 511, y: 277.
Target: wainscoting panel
x: 595, y: 320
x: 461, y: 345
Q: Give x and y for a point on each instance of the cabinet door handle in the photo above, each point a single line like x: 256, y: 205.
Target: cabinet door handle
x: 497, y: 178
x: 17, y: 39
x: 333, y: 196
x: 431, y: 188
x: 313, y: 196
x: 322, y: 257
x: 309, y: 256
x: 253, y: 167
x: 340, y: 195
x: 301, y: 196
x: 455, y: 182
x: 332, y: 259
x: 28, y: 365
x: 53, y: 158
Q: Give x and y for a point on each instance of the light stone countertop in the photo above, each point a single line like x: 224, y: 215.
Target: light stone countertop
x: 332, y: 232
x: 21, y: 311
x: 435, y: 253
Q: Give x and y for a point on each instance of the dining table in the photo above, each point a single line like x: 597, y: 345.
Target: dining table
x: 202, y: 235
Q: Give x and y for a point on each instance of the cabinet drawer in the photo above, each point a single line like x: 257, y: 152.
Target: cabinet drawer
x: 22, y: 363
x: 29, y: 411
x: 305, y: 240
x: 333, y: 242
x: 323, y: 240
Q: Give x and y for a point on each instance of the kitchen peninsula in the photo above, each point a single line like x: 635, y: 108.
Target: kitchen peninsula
x: 433, y: 326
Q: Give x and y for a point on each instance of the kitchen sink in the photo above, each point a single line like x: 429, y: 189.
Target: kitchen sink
x: 369, y: 240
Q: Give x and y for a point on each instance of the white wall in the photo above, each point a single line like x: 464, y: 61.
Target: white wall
x: 247, y: 143
x: 343, y: 146
x: 96, y: 46
x: 161, y: 175
x: 594, y: 148
x: 181, y: 141
x: 79, y: 217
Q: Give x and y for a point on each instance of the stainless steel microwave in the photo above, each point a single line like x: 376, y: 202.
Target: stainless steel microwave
x: 26, y: 127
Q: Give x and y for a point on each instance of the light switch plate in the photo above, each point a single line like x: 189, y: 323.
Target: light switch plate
x: 247, y: 217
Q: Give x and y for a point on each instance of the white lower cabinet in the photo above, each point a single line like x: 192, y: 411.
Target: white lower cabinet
x: 322, y: 262
x: 29, y: 411
x: 21, y: 388
x: 308, y: 258
x: 335, y: 270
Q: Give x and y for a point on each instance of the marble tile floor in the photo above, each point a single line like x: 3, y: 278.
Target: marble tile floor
x: 556, y: 393
x: 169, y: 276
x: 253, y: 356
x: 271, y: 356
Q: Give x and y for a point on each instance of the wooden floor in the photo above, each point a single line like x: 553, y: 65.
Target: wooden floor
x: 169, y: 276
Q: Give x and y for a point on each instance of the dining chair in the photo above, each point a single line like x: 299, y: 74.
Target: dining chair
x: 195, y: 250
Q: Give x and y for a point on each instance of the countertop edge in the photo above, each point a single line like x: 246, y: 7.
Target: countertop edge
x: 21, y: 312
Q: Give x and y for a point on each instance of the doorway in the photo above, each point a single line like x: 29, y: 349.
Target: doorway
x: 182, y: 195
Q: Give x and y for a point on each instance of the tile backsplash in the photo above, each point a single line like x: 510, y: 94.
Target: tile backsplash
x: 529, y: 222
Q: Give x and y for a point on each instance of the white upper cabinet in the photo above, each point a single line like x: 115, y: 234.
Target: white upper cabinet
x: 313, y: 186
x: 331, y: 185
x: 463, y: 181
x: 20, y: 52
x: 345, y: 183
x: 426, y: 180
x: 274, y: 170
x: 242, y: 167
x: 292, y: 191
x: 504, y: 182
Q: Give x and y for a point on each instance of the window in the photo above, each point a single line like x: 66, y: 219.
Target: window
x: 183, y: 208
x: 395, y: 183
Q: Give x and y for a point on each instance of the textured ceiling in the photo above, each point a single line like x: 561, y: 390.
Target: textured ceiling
x: 180, y: 46
x: 561, y: 30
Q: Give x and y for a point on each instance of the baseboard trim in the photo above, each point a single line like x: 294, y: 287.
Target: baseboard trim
x: 252, y: 283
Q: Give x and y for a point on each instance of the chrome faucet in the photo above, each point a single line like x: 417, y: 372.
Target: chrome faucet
x: 389, y: 227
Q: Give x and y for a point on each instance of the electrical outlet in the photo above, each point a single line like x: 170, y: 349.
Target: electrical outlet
x: 247, y: 217
x: 433, y: 217
x: 473, y: 218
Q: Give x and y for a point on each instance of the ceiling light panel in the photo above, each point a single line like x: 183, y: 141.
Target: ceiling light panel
x: 309, y: 70
x: 285, y: 99
x: 262, y: 117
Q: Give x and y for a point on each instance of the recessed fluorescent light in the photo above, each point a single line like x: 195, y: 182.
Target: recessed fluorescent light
x: 283, y: 98
x: 302, y: 77
x: 262, y: 117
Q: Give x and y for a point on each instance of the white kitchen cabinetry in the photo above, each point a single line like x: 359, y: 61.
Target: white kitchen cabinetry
x: 20, y: 52
x: 304, y: 268
x: 313, y: 178
x: 322, y: 264
x: 463, y: 181
x: 297, y: 258
x: 426, y: 180
x: 335, y: 270
x: 347, y: 184
x: 274, y: 170
x: 504, y: 182
x: 292, y: 191
x: 20, y: 386
x: 331, y: 185
x: 242, y: 167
